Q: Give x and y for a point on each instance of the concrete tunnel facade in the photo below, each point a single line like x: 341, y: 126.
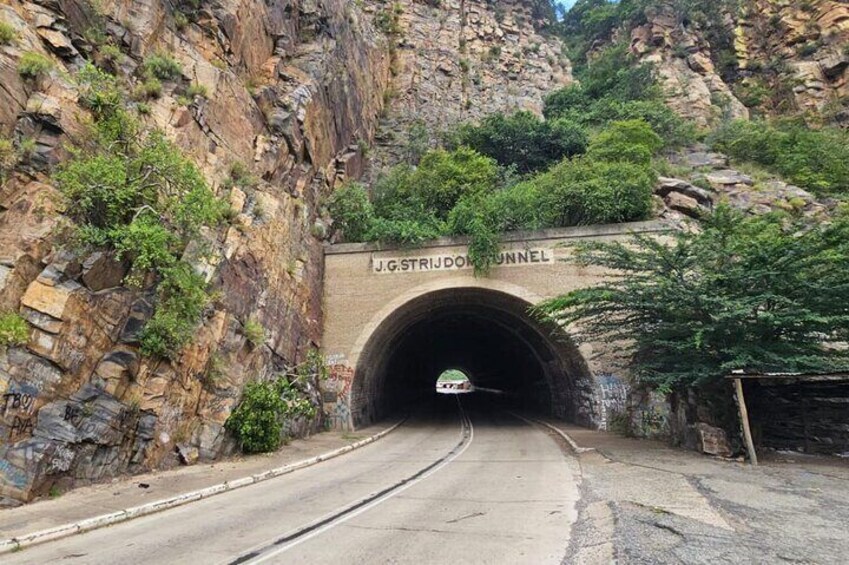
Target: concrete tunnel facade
x: 395, y: 318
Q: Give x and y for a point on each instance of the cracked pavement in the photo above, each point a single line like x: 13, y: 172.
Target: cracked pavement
x: 643, y: 502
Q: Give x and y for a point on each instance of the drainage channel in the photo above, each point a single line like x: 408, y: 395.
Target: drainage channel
x: 304, y: 533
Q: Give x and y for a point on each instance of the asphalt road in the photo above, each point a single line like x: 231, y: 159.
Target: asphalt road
x: 451, y: 485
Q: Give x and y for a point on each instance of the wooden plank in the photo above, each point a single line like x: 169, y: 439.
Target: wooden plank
x: 744, y: 418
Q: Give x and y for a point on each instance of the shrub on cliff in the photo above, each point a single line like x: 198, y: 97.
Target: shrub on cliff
x: 131, y: 190
x: 585, y: 191
x: 817, y: 160
x: 258, y: 421
x: 616, y: 88
x: 14, y: 330
x: 352, y: 212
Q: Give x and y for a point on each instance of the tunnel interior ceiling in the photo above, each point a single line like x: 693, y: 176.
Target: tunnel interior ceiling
x: 486, y: 334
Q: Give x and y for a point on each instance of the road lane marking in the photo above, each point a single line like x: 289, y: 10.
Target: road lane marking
x: 338, y: 517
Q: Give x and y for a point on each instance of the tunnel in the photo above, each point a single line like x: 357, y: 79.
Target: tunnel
x: 488, y: 335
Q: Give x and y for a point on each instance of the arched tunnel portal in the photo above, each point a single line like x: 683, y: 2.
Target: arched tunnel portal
x: 487, y: 334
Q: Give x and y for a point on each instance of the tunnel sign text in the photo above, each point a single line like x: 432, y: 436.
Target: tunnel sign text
x: 455, y: 262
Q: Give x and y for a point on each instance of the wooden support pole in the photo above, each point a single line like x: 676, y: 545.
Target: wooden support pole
x: 744, y: 418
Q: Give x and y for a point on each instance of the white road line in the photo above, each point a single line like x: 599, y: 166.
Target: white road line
x: 346, y: 517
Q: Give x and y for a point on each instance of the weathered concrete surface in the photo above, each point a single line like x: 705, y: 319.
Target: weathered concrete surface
x: 643, y: 502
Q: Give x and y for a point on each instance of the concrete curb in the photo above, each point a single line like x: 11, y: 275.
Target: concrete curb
x: 66, y: 530
x: 572, y: 444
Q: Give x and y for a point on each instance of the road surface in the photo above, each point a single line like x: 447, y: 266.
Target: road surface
x: 448, y: 486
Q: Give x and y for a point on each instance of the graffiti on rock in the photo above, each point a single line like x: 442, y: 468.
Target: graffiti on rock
x: 20, y: 402
x: 61, y: 460
x: 20, y: 427
x: 11, y: 475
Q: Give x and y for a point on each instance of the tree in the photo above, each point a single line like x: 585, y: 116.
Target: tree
x: 629, y: 141
x: 761, y: 293
x: 524, y: 141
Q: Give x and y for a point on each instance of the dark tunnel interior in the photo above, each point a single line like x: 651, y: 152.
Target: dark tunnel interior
x: 488, y: 335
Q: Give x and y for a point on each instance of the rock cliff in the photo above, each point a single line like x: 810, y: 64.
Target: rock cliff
x: 292, y: 91
x: 763, y: 56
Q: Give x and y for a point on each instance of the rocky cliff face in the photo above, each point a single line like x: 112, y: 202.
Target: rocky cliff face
x: 296, y: 91
x: 292, y: 85
x: 460, y: 60
x: 763, y: 56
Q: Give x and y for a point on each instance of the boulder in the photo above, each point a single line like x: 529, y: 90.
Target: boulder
x: 728, y: 177
x: 670, y: 185
x: 101, y: 271
x: 684, y: 204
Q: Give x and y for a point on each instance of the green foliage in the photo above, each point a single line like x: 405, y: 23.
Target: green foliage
x: 254, y: 332
x: 182, y: 298
x: 616, y: 88
x: 133, y: 192
x: 817, y: 160
x: 8, y: 33
x: 110, y: 55
x: 524, y: 141
x: 33, y: 65
x: 14, y: 330
x: 592, y: 22
x: 241, y: 176
x: 585, y: 191
x: 197, y: 90
x: 757, y: 293
x: 162, y: 66
x: 633, y: 141
x: 8, y: 157
x: 258, y: 421
x: 444, y: 177
x: 352, y: 212
x: 99, y: 91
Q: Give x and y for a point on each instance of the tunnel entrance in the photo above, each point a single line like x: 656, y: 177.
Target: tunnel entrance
x: 486, y: 334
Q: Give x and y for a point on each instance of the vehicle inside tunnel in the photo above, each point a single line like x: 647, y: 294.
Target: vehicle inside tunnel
x: 489, y: 336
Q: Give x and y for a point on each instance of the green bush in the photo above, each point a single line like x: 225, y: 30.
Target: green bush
x: 633, y: 141
x: 444, y: 177
x: 33, y: 65
x: 254, y: 333
x: 524, y: 141
x: 162, y: 66
x: 8, y: 33
x: 583, y: 191
x: 759, y: 293
x: 352, y: 212
x: 197, y: 90
x: 181, y: 299
x: 617, y: 88
x: 133, y: 192
x: 99, y: 91
x: 817, y: 160
x: 14, y: 330
x: 257, y: 422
